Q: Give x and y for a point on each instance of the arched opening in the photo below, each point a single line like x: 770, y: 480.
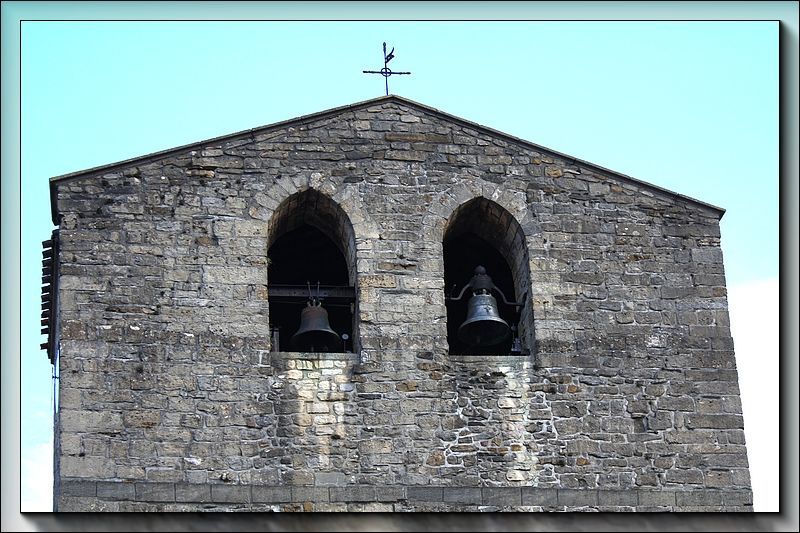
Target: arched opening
x: 312, y: 264
x: 482, y: 233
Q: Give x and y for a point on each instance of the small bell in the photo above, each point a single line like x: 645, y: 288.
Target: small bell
x: 483, y: 326
x: 315, y: 333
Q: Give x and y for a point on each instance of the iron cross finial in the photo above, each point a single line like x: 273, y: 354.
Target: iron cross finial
x: 385, y: 71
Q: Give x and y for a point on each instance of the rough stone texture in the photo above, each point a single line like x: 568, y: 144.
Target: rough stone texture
x: 195, y: 497
x: 628, y: 399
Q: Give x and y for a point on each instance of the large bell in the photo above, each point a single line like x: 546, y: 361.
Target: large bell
x: 483, y: 326
x: 315, y: 333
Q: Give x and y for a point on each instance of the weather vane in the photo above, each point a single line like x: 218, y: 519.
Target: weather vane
x: 385, y: 71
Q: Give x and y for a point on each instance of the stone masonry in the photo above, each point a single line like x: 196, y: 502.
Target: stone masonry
x: 171, y: 398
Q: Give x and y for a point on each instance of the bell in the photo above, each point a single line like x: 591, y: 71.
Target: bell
x: 483, y: 326
x: 315, y: 333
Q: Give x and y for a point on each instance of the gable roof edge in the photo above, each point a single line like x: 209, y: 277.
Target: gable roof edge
x: 719, y: 210
x: 143, y: 159
x: 56, y: 180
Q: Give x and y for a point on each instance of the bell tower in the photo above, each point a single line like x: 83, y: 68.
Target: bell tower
x: 383, y: 307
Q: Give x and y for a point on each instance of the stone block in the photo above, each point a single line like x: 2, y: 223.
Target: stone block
x: 577, y: 497
x: 707, y: 255
x: 656, y: 498
x: 370, y: 507
x: 653, y: 509
x: 375, y: 446
x: 310, y: 494
x: 142, y: 419
x: 235, y: 275
x: 77, y: 487
x: 88, y: 467
x: 230, y: 493
x: 155, y: 492
x: 191, y: 492
x: 544, y: 497
x: 501, y: 496
x: 698, y: 421
x: 330, y: 479
x: 618, y: 497
x: 389, y: 494
x: 86, y: 421
x: 424, y: 494
x: 84, y: 504
x: 115, y: 490
x: 272, y: 494
x: 738, y: 498
x: 363, y: 493
x: 698, y: 498
x: 298, y: 477
x: 466, y: 495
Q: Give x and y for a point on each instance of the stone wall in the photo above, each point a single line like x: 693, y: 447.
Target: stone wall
x: 168, y: 385
x: 127, y: 496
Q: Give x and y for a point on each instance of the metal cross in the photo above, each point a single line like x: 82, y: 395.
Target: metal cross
x: 385, y: 71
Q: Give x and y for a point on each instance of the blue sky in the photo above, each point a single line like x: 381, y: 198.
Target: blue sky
x: 688, y: 106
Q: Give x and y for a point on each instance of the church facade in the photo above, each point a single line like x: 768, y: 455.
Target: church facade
x: 383, y: 307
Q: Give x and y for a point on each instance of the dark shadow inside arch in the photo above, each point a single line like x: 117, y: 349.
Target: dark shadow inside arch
x: 311, y: 242
x: 300, y: 257
x: 461, y: 255
x: 482, y: 233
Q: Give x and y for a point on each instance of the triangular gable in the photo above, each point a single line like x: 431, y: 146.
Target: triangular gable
x: 305, y: 119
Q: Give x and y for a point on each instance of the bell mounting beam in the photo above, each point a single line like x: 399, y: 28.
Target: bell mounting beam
x: 328, y: 293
